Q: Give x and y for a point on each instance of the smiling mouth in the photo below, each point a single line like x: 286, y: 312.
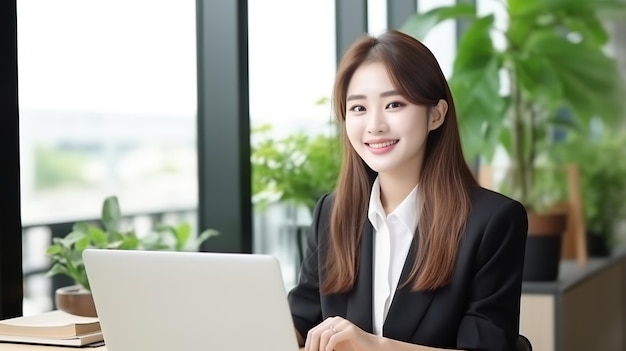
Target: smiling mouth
x: 381, y: 145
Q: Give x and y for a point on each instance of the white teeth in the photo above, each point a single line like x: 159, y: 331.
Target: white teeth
x: 382, y: 145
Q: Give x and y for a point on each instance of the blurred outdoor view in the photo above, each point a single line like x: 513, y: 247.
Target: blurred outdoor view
x: 107, y: 94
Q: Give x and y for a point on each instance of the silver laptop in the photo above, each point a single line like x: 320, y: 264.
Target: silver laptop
x: 157, y: 300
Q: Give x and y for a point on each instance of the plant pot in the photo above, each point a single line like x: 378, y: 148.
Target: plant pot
x: 75, y: 300
x: 597, y: 245
x: 543, y: 246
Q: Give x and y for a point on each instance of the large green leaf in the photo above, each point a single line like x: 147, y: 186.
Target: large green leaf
x: 480, y: 108
x: 538, y: 80
x: 611, y: 9
x: 420, y: 24
x: 589, y: 27
x: 590, y: 79
x: 524, y: 7
x: 475, y: 84
x: 475, y: 48
x: 578, y: 6
x: 572, y: 9
x: 579, y: 16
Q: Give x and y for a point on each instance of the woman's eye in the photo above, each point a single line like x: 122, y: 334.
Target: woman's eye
x: 357, y: 108
x: 395, y: 105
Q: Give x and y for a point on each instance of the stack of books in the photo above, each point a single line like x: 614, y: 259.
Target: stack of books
x: 52, y: 328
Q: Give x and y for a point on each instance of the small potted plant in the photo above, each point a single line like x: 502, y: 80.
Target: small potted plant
x: 601, y: 157
x: 66, y: 253
x: 296, y: 169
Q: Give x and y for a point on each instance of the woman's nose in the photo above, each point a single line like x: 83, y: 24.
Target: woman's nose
x: 376, y: 123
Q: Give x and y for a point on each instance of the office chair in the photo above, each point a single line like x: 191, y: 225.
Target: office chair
x: 523, y: 344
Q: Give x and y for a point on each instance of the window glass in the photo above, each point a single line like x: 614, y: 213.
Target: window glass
x: 442, y: 39
x: 107, y: 96
x: 376, y: 16
x: 291, y: 70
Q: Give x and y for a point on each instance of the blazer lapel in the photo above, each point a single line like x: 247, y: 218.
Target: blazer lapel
x: 407, y: 307
x: 359, y: 308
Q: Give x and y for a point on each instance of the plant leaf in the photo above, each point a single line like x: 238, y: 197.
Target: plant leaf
x: 111, y: 214
x: 476, y: 49
x: 129, y: 242
x: 72, y: 238
x: 538, y: 80
x: 475, y: 84
x: 82, y: 244
x: 54, y: 250
x: 58, y: 268
x: 206, y: 234
x: 97, y: 236
x: 480, y: 110
x: 521, y: 8
x: 420, y: 24
x: 182, y: 232
x: 591, y: 80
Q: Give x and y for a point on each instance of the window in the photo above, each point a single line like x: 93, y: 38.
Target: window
x: 291, y: 68
x: 107, y: 93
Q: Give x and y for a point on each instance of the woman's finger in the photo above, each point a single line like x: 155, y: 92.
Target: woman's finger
x: 335, y: 330
x: 312, y: 342
x: 346, y: 337
x: 325, y: 337
x: 318, y: 336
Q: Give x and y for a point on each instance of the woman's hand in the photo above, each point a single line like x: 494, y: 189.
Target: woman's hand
x: 339, y: 334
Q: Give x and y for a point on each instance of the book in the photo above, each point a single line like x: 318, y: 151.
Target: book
x: 6, y: 346
x: 79, y: 340
x: 54, y: 324
x: 31, y: 347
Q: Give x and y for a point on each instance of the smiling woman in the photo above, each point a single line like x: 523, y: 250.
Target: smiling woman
x: 408, y: 231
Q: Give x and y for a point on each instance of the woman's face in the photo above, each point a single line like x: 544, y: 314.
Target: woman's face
x: 388, y: 132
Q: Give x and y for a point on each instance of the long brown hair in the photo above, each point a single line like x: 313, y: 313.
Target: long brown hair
x: 444, y: 180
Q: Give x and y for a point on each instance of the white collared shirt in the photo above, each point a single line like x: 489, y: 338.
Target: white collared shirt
x: 393, y: 234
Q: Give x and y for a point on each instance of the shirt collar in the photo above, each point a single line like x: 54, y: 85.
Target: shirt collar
x: 375, y: 211
x: 406, y: 212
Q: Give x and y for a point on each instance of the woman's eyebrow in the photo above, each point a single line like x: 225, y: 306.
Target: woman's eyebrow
x: 383, y: 94
x: 389, y: 93
x: 355, y: 97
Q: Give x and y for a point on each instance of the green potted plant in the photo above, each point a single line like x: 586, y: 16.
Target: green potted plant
x: 552, y: 60
x: 66, y: 253
x: 296, y: 169
x: 602, y: 159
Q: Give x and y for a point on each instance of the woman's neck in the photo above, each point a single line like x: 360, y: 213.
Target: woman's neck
x: 393, y: 190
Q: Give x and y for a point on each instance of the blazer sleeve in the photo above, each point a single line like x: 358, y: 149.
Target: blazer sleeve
x: 304, y: 298
x: 491, y: 321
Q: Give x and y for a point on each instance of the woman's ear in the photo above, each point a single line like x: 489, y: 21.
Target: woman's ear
x: 437, y: 115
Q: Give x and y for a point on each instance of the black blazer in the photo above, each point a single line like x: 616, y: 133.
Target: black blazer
x: 477, y: 310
